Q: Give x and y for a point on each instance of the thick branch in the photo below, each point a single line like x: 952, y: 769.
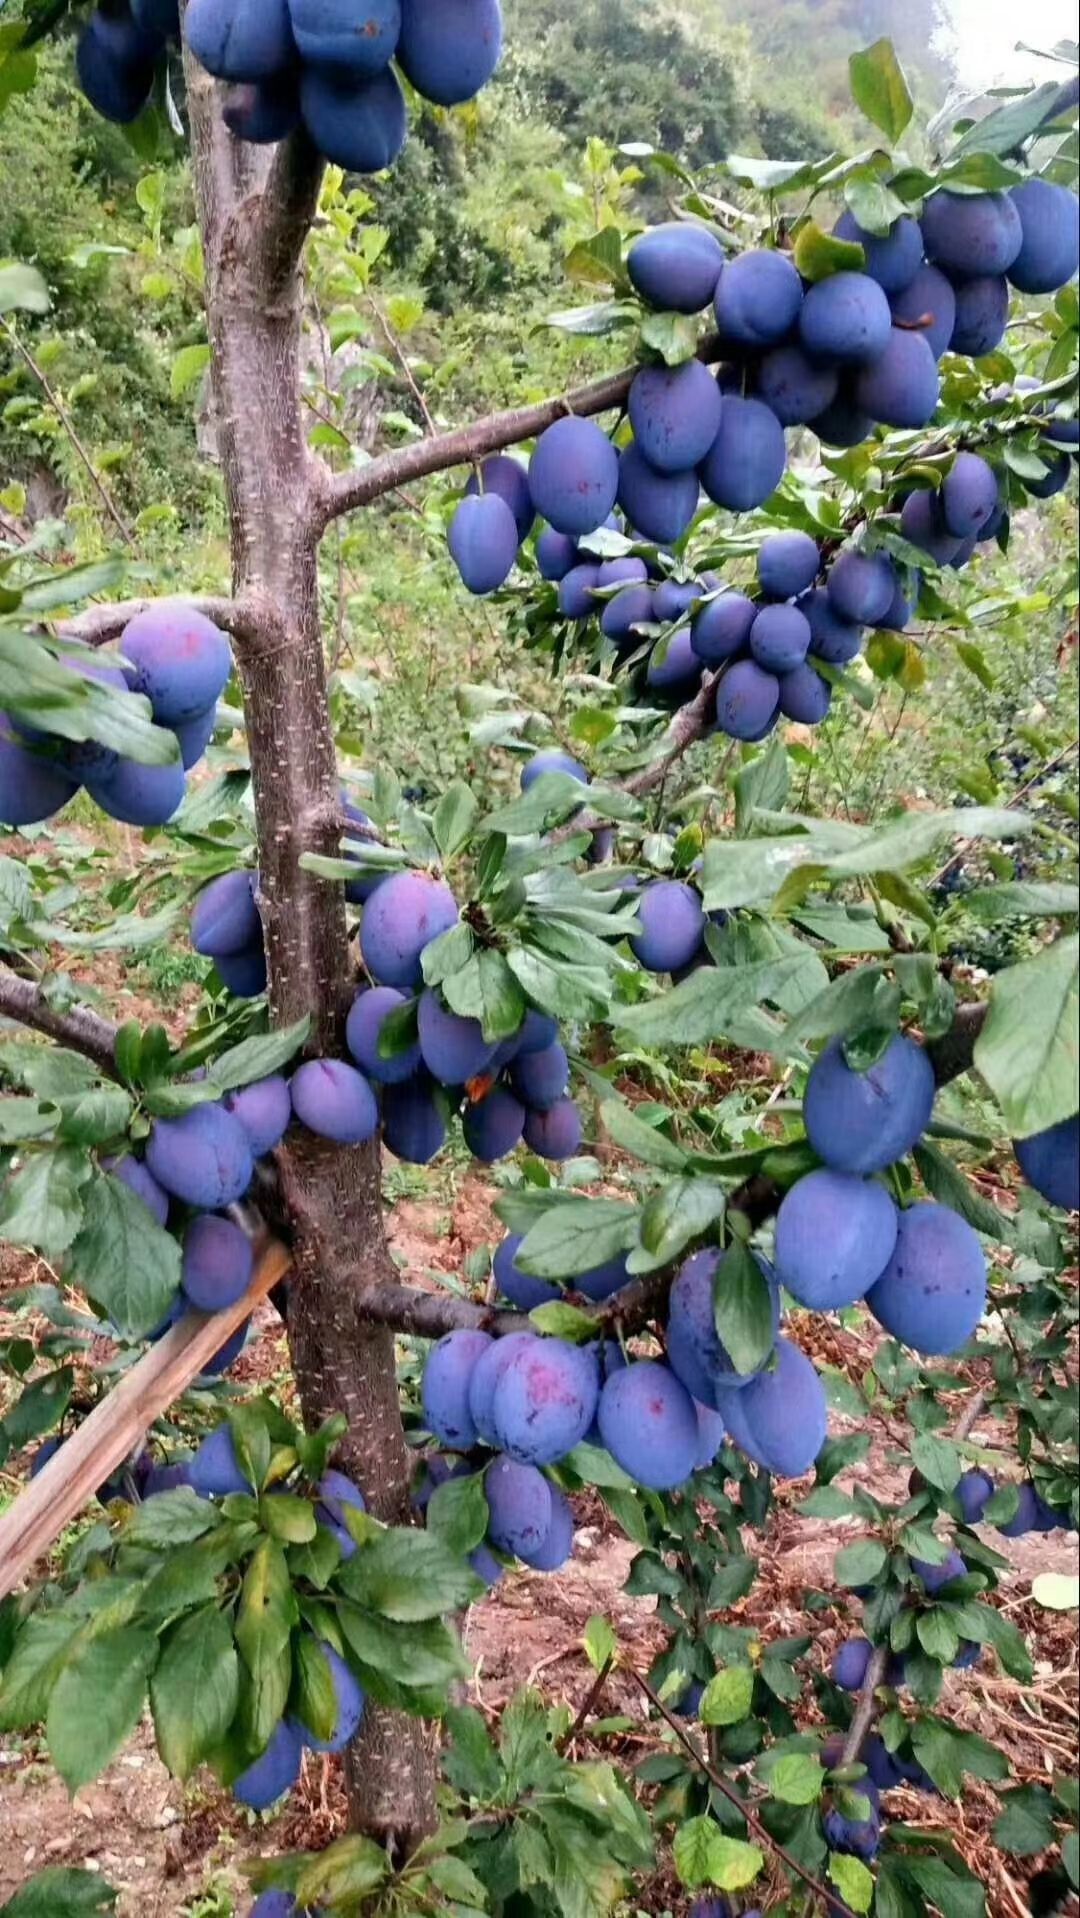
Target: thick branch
x: 864, y: 1710
x: 953, y: 1053
x: 428, y: 1315
x: 81, y: 1030
x: 99, y: 625
x: 343, y: 492
x: 290, y: 200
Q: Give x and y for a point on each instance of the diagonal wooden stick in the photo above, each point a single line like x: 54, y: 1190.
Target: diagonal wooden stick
x: 116, y: 1426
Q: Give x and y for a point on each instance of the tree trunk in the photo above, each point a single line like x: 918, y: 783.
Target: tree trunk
x: 254, y: 211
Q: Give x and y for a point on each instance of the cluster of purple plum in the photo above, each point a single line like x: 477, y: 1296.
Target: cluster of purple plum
x: 181, y: 663
x: 323, y: 64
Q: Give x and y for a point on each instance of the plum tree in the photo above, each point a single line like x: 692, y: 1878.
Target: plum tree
x: 863, y: 1121
x: 932, y: 1293
x: 846, y: 319
x: 203, y: 1157
x: 574, y: 476
x: 404, y: 915
x: 674, y: 673
x: 675, y: 266
x: 519, y: 1506
x: 139, y: 795
x: 973, y: 1494
x: 625, y: 611
x: 483, y: 1379
x: 757, y: 300
x: 672, y: 925
x: 447, y: 1372
x: 850, y: 1662
x: 675, y: 414
x: 721, y: 627
x: 971, y: 234
x: 835, y: 1234
x: 140, y: 1180
x: 217, y: 1263
x: 556, y: 553
x: 746, y: 460
x: 648, y: 1423
x: 855, y: 1832
x: 936, y: 1577
x: 225, y: 918
x: 544, y: 1401
x: 334, y: 1100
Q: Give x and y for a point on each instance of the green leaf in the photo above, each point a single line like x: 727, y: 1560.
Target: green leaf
x: 561, y: 1321
x: 97, y: 1702
x: 818, y: 255
x: 457, y: 1513
x: 937, y: 1635
x: 42, y: 1203
x: 956, y: 1895
x: 550, y: 801
x: 1026, y: 1051
x: 859, y: 1564
x: 1023, y: 899
x: 852, y: 1880
x: 486, y: 989
x: 743, y: 1310
x: 313, y: 1699
x: 264, y: 1621
x: 41, y: 1649
x: 873, y: 203
x: 1025, y: 1824
x: 705, y: 1856
x: 597, y: 260
x: 258, y: 1058
x: 171, y: 1518
x: 123, y: 1259
x: 715, y: 1002
x: 673, y: 336
x: 577, y: 1236
x: 646, y: 1142
x: 189, y: 365
x: 938, y: 1460
x: 732, y: 1579
x: 288, y: 1517
x: 22, y: 289
x: 345, y: 1875
x: 682, y: 1210
x: 471, y: 1762
x: 39, y: 1408
x: 454, y: 819
x: 728, y: 1697
x: 600, y: 1642
x: 195, y: 1690
x: 944, y: 1181
x: 62, y: 1892
x: 408, y: 1575
x: 879, y: 88
x: 418, y: 1655
x: 797, y: 1779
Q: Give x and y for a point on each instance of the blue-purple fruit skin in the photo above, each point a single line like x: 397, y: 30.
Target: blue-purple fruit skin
x: 835, y: 1234
x: 336, y: 1491
x: 519, y: 1501
x: 551, y: 761
x: 484, y: 1379
x: 786, y: 1412
x: 922, y: 522
x: 509, y: 479
x: 1026, y: 1516
x: 559, y: 1543
x: 483, y: 542
x: 330, y: 33
x: 858, y: 1837
x: 788, y: 564
x: 182, y: 661
x: 275, y: 1773
x: 193, y: 736
x: 930, y: 301
x: 555, y: 1134
x: 972, y: 234
x: 935, y: 1577
x: 520, y: 1287
x: 541, y: 1078
x: 545, y: 1400
x: 746, y: 461
x: 861, y: 585
x: 494, y: 1125
x: 142, y: 1182
x: 864, y: 1121
x: 675, y: 266
x: 140, y: 795
x: 449, y: 52
x: 973, y: 1494
x: 1050, y: 1161
x: 842, y: 422
x: 932, y: 1293
x: 672, y: 925
x: 453, y: 1048
x: 695, y: 1352
x: 674, y: 676
x: 33, y: 787
x: 214, y: 1472
x: 622, y: 572
x: 711, y: 1434
x: 576, y: 590
x: 892, y: 259
x: 367, y: 1015
x: 850, y: 1661
x: 804, y: 695
x: 115, y: 65
x: 226, y: 1355
x: 556, y: 554
x: 673, y: 599
x: 574, y: 476
x: 445, y: 1391
x: 757, y: 299
x: 334, y: 1101
x: 414, y: 1124
x: 408, y: 911
x: 648, y: 1423
x: 243, y: 973
x: 537, y: 1031
x: 969, y: 495
x: 225, y: 918
x: 901, y: 387
x: 262, y: 111
x: 747, y: 700
x: 359, y: 125
x: 780, y: 638
x: 349, y: 1698
x: 982, y: 315
x: 1054, y: 480
x: 721, y: 628
x: 633, y: 606
x: 1050, y: 243
x: 217, y: 1263
x: 203, y: 1157
x: 795, y: 387
x: 675, y: 414
x: 845, y: 319
x: 659, y: 505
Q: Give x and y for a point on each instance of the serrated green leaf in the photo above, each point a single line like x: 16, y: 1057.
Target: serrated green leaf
x: 879, y: 88
x: 1027, y: 1049
x: 195, y: 1690
x: 97, y: 1702
x: 123, y: 1259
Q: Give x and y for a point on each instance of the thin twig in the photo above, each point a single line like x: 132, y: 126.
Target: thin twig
x: 588, y: 1703
x: 401, y: 357
x: 70, y: 429
x: 1013, y: 800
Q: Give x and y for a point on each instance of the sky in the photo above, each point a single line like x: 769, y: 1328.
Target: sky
x: 985, y: 33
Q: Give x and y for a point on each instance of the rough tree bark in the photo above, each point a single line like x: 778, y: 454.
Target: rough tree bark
x: 254, y: 213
